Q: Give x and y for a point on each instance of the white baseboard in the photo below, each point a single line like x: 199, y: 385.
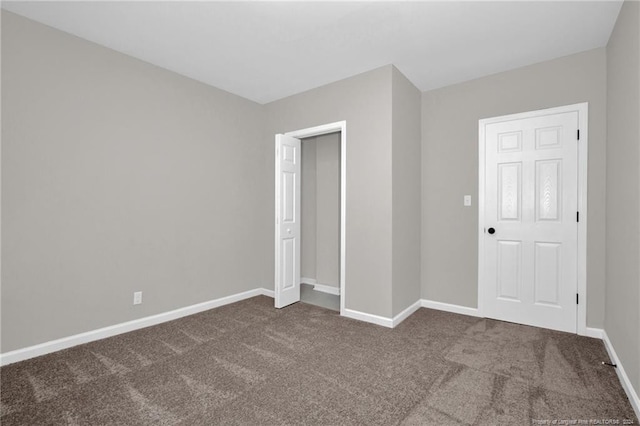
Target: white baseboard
x: 113, y: 330
x: 596, y: 333
x: 424, y: 303
x: 324, y: 288
x: 447, y: 307
x: 406, y: 313
x: 380, y: 320
x: 267, y: 292
x: 363, y: 316
x: 622, y: 375
x: 327, y: 289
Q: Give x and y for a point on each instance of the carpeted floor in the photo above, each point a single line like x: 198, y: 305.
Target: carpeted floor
x: 250, y: 364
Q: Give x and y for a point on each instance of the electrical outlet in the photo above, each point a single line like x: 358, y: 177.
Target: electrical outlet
x: 137, y: 297
x: 467, y: 200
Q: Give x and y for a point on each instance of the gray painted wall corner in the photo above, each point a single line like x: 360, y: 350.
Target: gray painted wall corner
x: 406, y: 109
x: 622, y: 321
x: 364, y: 102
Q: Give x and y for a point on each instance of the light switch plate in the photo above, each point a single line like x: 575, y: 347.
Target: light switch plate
x: 467, y: 200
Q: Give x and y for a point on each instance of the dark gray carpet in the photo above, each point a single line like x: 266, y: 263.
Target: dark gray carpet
x: 250, y: 364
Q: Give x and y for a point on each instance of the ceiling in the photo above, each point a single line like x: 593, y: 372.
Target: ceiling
x: 265, y: 51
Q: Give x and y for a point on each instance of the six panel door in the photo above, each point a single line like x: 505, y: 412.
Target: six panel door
x: 287, y: 267
x: 531, y: 190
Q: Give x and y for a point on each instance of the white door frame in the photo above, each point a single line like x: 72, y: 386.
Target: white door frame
x: 582, y: 109
x: 339, y: 126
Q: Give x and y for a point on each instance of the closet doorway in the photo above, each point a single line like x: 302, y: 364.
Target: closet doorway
x: 320, y: 221
x: 310, y: 201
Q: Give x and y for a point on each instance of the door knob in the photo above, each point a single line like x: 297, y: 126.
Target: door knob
x: 491, y: 231
x: 288, y: 230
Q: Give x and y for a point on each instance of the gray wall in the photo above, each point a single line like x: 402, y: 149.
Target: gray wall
x: 364, y: 101
x: 406, y: 192
x: 450, y: 168
x: 320, y: 227
x: 308, y: 210
x: 622, y: 320
x: 328, y: 209
x: 119, y: 176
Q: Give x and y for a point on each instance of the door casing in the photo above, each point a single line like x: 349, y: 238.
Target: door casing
x: 582, y: 110
x: 339, y: 126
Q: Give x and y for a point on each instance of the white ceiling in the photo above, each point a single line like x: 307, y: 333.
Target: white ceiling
x: 265, y: 51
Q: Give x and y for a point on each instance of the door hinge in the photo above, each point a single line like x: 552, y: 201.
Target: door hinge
x: 577, y: 216
x: 577, y: 299
x: 578, y: 131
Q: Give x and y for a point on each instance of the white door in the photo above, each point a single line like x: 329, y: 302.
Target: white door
x: 530, y: 214
x: 287, y: 250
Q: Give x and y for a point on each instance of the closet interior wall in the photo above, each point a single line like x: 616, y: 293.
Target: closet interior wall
x: 320, y: 215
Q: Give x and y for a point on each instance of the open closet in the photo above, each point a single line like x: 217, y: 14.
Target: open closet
x: 320, y: 221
